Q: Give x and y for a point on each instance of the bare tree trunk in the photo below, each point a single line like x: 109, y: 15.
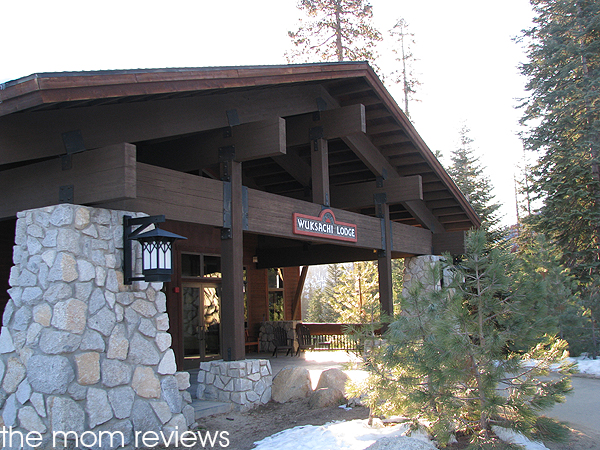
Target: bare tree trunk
x: 338, y: 31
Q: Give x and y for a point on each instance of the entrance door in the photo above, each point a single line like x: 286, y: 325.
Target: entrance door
x: 201, y: 322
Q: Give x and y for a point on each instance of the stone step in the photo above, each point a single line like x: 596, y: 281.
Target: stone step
x: 205, y: 408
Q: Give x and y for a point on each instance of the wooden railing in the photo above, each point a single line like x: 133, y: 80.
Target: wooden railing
x: 331, y: 336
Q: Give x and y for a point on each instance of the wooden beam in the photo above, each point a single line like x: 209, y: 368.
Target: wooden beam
x: 179, y: 196
x: 369, y: 154
x: 366, y: 151
x: 272, y: 215
x: 319, y: 158
x: 248, y: 141
x: 384, y: 265
x: 295, y: 166
x: 335, y: 123
x: 452, y: 242
x: 418, y: 209
x: 97, y: 176
x: 232, y: 268
x: 37, y: 135
x: 315, y: 254
x: 407, y: 239
x: 361, y: 194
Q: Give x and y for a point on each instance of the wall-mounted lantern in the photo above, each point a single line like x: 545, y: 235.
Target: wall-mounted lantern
x: 157, y: 246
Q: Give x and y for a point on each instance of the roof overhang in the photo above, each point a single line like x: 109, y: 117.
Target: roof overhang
x: 388, y: 129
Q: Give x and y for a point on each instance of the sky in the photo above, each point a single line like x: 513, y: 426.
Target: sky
x: 467, y: 61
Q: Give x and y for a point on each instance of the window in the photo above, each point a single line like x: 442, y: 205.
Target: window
x: 276, y: 300
x: 200, y: 266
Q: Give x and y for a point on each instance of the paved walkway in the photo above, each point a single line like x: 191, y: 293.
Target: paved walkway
x: 315, y: 361
x: 582, y: 408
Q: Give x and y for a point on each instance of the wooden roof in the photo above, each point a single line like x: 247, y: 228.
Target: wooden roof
x: 346, y: 83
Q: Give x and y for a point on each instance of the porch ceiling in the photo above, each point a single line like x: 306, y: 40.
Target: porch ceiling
x: 343, y: 84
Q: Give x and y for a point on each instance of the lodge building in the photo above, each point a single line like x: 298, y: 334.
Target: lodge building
x: 265, y: 170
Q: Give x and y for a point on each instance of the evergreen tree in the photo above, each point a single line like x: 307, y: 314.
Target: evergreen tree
x: 339, y: 30
x: 330, y: 293
x: 315, y: 310
x: 468, y: 174
x: 357, y: 300
x: 540, y: 268
x: 563, y: 112
x: 447, y: 362
x: 397, y: 283
x: 405, y: 57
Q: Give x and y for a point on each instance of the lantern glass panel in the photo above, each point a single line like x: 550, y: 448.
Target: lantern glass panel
x: 166, y: 254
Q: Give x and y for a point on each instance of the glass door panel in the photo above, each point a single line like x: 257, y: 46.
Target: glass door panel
x: 201, y: 322
x: 212, y: 320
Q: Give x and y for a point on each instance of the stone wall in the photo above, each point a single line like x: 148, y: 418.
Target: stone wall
x: 245, y: 384
x: 266, y: 334
x: 79, y: 350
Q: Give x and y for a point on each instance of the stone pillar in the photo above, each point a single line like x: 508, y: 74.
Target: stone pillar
x: 266, y: 334
x: 79, y: 350
x: 418, y: 269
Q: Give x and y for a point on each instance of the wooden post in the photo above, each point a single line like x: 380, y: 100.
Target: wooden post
x: 232, y: 294
x: 297, y: 303
x: 320, y: 171
x: 384, y: 261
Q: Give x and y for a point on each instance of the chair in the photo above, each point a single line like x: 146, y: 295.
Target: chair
x: 305, y: 340
x: 281, y: 341
x: 251, y: 343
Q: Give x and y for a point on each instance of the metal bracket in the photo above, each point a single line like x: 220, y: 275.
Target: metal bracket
x: 321, y: 104
x: 315, y: 133
x: 226, y: 204
x: 379, y: 182
x: 232, y: 117
x: 225, y: 234
x: 227, y: 153
x: 66, y: 162
x: 379, y: 199
x: 66, y: 194
x: 73, y: 142
x: 226, y: 156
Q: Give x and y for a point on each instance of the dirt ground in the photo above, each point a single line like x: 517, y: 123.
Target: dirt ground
x: 247, y: 428
x: 255, y: 425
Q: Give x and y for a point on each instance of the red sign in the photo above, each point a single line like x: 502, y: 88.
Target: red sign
x: 324, y: 226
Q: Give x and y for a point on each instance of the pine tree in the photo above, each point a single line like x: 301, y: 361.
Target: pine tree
x: 447, y: 362
x: 405, y: 75
x: 339, y: 30
x: 315, y: 310
x: 563, y: 111
x: 397, y: 283
x: 357, y: 299
x: 468, y: 174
